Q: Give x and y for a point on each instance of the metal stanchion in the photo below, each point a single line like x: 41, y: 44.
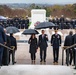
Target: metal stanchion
x: 67, y: 48
x: 67, y: 56
x: 5, y: 46
x: 62, y: 56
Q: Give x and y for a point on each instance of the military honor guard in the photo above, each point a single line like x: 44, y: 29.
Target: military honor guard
x: 55, y: 43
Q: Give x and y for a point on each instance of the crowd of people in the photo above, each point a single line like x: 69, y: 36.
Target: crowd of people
x: 64, y: 23
x: 70, y: 40
x: 6, y: 53
x: 41, y: 42
x: 35, y: 43
x: 56, y: 42
x: 20, y: 23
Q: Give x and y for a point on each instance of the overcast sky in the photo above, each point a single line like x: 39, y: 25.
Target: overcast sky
x: 39, y: 1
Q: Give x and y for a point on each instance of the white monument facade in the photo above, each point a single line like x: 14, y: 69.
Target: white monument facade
x: 37, y: 15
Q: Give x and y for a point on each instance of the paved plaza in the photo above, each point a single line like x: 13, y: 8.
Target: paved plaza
x: 23, y: 55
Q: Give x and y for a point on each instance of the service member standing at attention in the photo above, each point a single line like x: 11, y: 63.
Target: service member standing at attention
x: 43, y: 38
x: 55, y: 43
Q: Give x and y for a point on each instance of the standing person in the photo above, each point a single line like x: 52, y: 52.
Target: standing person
x: 27, y: 22
x: 74, y: 42
x: 69, y: 52
x: 2, y: 41
x: 5, y: 60
x: 14, y: 46
x: 43, y: 38
x: 62, y: 20
x: 33, y: 47
x: 56, y: 42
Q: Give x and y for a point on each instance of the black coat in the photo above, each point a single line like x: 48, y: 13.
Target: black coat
x: 74, y: 39
x: 42, y: 43
x: 68, y: 40
x: 27, y: 23
x: 62, y: 20
x: 56, y: 40
x: 2, y: 35
x: 13, y: 42
x: 5, y: 59
x: 33, y: 45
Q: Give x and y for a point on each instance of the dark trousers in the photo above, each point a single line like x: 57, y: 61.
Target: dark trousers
x: 5, y: 58
x: 43, y: 54
x: 55, y: 54
x: 69, y: 56
x: 12, y: 52
x: 74, y: 56
x: 1, y: 55
x: 33, y: 56
x: 62, y: 25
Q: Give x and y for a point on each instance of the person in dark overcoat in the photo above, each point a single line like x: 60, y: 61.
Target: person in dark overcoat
x: 55, y: 43
x: 2, y: 41
x: 5, y: 59
x: 62, y: 20
x: 74, y: 42
x: 42, y: 43
x: 14, y: 46
x: 69, y: 52
x: 26, y: 22
x: 33, y: 47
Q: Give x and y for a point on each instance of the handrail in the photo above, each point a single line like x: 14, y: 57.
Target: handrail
x: 67, y: 47
x: 6, y: 46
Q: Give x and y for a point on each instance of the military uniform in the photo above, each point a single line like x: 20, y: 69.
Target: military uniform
x: 56, y: 42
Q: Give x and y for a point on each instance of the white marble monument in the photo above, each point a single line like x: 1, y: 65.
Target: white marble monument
x: 37, y: 15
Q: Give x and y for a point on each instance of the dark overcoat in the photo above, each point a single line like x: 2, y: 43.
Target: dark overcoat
x: 68, y: 40
x: 42, y: 43
x: 33, y: 45
x: 13, y: 42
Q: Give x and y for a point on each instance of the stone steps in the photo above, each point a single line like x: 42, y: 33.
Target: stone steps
x: 36, y: 70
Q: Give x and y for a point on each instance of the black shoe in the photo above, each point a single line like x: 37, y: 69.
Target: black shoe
x: 31, y: 61
x: 44, y: 60
x: 12, y: 63
x: 53, y: 61
x: 40, y: 60
x: 34, y: 61
x: 73, y: 65
x: 56, y: 63
x: 15, y: 62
